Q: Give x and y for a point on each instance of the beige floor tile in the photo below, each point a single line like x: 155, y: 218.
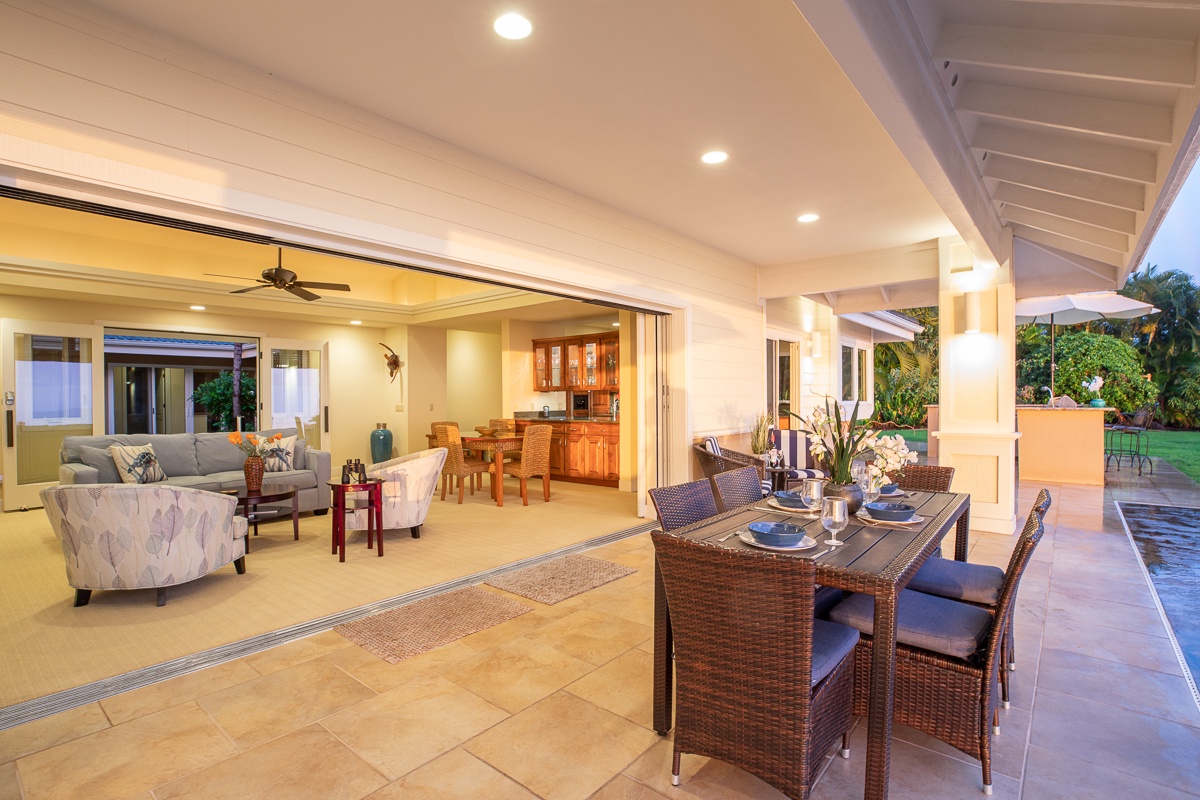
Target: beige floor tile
x: 653, y: 769
x: 1054, y: 776
x: 636, y: 604
x: 518, y: 674
x: 625, y: 788
x: 272, y: 770
x: 508, y: 630
x: 49, y: 731
x: 297, y: 652
x: 1141, y: 690
x: 150, y: 699
x: 368, y: 668
x: 262, y: 709
x: 592, y: 636
x: 1126, y: 647
x: 403, y: 728
x: 457, y: 774
x: 621, y: 686
x: 562, y: 748
x: 125, y: 760
x: 10, y: 785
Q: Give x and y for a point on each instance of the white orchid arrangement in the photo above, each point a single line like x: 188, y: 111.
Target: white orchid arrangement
x: 1094, y: 385
x: 835, y: 443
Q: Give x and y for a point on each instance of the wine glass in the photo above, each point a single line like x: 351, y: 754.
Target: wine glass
x: 812, y: 492
x: 833, y: 518
x: 870, y: 488
x: 858, y: 471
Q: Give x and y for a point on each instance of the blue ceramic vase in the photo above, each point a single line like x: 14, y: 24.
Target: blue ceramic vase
x: 381, y: 443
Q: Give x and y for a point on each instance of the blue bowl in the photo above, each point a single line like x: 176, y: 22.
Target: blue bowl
x: 790, y: 499
x: 889, y: 488
x: 776, y: 534
x: 890, y: 512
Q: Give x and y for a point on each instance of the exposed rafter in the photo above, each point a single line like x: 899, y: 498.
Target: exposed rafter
x: 1114, y: 219
x: 1049, y: 147
x: 1066, y: 227
x: 1073, y: 183
x: 1095, y: 252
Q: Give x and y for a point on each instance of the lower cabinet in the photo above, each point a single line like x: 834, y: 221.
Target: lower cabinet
x: 583, y: 452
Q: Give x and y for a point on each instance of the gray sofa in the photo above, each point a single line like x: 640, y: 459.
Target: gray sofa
x: 198, y: 461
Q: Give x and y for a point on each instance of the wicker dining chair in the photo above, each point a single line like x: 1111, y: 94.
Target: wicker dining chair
x: 535, y: 461
x: 458, y: 465
x: 771, y: 697
x: 924, y: 478
x: 948, y: 659
x: 713, y: 462
x: 737, y: 487
x: 506, y: 426
x: 683, y: 504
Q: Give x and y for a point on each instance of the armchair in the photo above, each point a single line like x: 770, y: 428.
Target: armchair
x: 127, y: 536
x: 409, y: 485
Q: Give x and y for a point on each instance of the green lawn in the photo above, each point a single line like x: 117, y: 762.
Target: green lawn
x: 1181, y: 448
x: 917, y: 435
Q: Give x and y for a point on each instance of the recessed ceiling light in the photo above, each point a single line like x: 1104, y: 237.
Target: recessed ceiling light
x: 356, y: 322
x: 513, y: 26
x: 715, y: 157
x: 616, y: 324
x: 808, y: 217
x: 196, y: 308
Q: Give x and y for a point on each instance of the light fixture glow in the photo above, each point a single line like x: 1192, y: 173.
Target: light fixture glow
x: 196, y: 308
x: 616, y: 324
x: 512, y: 26
x: 815, y: 341
x: 356, y: 322
x: 973, y: 312
x: 715, y: 157
x: 808, y: 218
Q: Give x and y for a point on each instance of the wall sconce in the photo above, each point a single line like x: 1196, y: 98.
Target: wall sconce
x: 814, y: 342
x: 972, y: 312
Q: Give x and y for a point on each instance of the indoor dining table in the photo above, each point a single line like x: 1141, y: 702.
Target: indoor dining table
x: 497, y: 445
x: 877, y: 559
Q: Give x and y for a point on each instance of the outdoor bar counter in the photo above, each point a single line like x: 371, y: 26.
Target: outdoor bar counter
x: 1061, y: 445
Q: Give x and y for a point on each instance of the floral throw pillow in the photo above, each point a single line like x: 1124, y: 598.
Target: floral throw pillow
x: 280, y: 455
x: 137, y: 463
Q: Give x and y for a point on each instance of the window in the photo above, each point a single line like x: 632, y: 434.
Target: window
x: 847, y: 372
x: 856, y: 372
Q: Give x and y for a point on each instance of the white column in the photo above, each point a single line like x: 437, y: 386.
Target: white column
x: 977, y: 392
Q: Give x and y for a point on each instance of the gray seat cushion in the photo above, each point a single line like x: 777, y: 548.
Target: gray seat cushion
x: 959, y: 580
x: 826, y: 598
x: 831, y: 643
x: 101, y: 461
x: 176, y: 452
x: 194, y: 482
x: 924, y: 621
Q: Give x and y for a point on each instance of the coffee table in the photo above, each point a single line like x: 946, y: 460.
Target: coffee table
x: 374, y: 491
x: 250, y: 501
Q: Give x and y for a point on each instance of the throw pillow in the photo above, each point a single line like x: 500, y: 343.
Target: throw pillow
x: 137, y: 463
x: 100, y: 460
x: 280, y: 456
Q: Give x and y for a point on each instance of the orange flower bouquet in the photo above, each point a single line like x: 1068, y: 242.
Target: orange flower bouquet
x: 252, y: 444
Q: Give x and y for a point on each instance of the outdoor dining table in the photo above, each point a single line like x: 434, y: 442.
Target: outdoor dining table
x: 497, y: 445
x: 877, y: 559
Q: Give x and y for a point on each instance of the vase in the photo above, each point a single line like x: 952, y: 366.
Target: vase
x: 381, y: 443
x: 850, y: 492
x: 253, y: 468
x: 1097, y: 402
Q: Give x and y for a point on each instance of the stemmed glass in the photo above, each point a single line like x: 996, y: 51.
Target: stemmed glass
x: 812, y: 492
x: 834, y: 518
x: 870, y: 488
x: 858, y: 471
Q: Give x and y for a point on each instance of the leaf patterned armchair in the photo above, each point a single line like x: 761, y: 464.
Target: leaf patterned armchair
x: 126, y: 536
x: 409, y: 485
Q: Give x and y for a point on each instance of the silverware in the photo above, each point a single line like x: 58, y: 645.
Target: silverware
x: 731, y: 533
x: 815, y: 556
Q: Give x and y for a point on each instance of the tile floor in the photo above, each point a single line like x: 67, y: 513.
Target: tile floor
x: 555, y: 704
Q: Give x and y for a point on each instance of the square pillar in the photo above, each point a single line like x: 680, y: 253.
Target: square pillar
x: 977, y: 393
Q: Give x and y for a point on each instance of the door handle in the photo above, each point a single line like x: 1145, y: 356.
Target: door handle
x: 8, y: 426
x: 326, y: 419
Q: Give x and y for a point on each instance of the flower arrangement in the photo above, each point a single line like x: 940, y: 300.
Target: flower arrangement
x: 835, y: 443
x: 1094, y: 385
x: 252, y: 444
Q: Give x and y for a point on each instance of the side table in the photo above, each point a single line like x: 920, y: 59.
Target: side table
x: 778, y: 477
x: 374, y: 491
x: 250, y: 501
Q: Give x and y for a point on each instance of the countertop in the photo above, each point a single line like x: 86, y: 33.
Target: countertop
x: 1049, y: 408
x: 614, y: 420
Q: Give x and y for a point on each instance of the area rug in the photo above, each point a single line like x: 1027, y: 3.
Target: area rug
x: 415, y: 628
x: 561, y: 578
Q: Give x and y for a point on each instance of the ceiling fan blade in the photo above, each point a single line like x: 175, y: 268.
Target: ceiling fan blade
x: 250, y: 289
x: 337, y: 287
x: 235, y: 277
x: 302, y: 293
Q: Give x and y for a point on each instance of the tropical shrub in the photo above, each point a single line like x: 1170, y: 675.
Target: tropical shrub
x: 906, y: 373
x: 1081, y: 356
x: 216, y: 396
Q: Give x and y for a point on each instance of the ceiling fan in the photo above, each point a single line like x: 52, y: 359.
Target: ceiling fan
x: 285, y: 279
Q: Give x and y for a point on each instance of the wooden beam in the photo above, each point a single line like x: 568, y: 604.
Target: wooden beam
x: 1114, y: 219
x: 1137, y: 121
x: 1166, y: 62
x: 910, y: 295
x: 1047, y: 147
x: 1067, y: 227
x: 885, y: 293
x: 830, y: 298
x: 1073, y: 183
x: 1094, y: 252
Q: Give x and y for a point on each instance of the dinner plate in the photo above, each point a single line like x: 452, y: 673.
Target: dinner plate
x: 804, y: 512
x: 806, y: 543
x: 917, y: 519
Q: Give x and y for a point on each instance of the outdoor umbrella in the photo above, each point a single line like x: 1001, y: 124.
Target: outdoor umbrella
x: 1072, y: 309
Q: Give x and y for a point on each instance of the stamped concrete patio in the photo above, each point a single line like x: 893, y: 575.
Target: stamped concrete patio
x: 556, y: 703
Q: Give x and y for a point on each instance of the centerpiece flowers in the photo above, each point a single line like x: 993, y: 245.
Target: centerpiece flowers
x: 1094, y: 386
x: 255, y: 447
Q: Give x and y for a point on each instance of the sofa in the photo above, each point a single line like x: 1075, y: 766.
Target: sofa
x: 205, y: 461
x: 141, y: 536
x: 409, y: 483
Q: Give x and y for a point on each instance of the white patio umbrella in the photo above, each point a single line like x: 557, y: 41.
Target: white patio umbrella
x: 1072, y: 309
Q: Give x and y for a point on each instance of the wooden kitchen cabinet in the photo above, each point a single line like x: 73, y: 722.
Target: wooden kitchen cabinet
x: 580, y: 363
x: 582, y: 452
x: 610, y: 364
x: 548, y: 365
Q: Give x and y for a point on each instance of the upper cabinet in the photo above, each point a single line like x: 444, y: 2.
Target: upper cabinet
x: 579, y: 363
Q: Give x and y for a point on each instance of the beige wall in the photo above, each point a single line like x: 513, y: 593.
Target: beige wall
x: 427, y: 381
x: 473, y: 394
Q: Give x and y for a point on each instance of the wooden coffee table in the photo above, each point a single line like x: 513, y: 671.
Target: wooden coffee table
x: 250, y: 501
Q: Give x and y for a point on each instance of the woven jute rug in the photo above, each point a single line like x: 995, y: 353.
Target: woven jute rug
x: 417, y: 627
x: 561, y: 578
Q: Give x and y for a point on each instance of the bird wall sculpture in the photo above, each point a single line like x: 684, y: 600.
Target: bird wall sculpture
x: 394, y: 365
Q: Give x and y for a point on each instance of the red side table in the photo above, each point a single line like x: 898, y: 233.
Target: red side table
x: 374, y: 491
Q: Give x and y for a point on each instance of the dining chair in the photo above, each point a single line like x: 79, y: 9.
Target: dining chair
x: 457, y: 464
x: 948, y: 658
x: 924, y: 478
x: 535, y: 461
x: 714, y: 459
x: 506, y: 426
x: 683, y: 503
x: 771, y: 697
x: 737, y: 487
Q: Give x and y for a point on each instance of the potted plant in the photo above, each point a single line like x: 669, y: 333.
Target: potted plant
x: 760, y: 434
x: 1094, y: 386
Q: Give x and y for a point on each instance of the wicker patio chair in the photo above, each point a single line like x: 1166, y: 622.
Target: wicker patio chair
x: 683, y: 504
x: 948, y: 659
x: 737, y: 487
x: 457, y: 464
x: 506, y: 426
x: 923, y: 478
x: 713, y: 463
x: 535, y: 461
x: 771, y: 697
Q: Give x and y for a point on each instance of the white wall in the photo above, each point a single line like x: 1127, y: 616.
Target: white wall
x: 473, y: 378
x: 115, y: 111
